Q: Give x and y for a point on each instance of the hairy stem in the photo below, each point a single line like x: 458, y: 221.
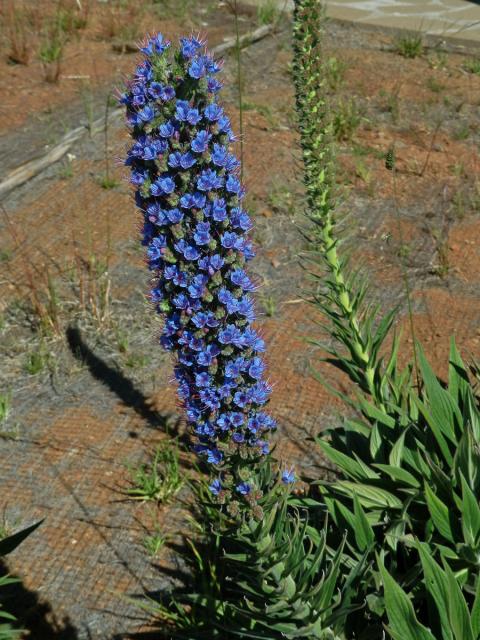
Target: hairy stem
x: 318, y: 156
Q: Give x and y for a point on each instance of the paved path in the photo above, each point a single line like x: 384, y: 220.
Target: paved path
x: 452, y: 18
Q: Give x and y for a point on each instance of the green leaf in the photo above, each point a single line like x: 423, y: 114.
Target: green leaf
x: 442, y: 406
x: 401, y: 615
x: 347, y: 464
x: 437, y: 586
x: 458, y: 383
x: 440, y: 514
x: 370, y: 497
x: 470, y: 514
x: 364, y: 535
x: 397, y: 473
x: 396, y: 454
x: 436, y: 430
x: 458, y: 610
x: 475, y: 613
x: 8, y: 544
x: 375, y: 414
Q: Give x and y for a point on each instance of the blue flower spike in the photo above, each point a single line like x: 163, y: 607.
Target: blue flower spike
x: 195, y: 231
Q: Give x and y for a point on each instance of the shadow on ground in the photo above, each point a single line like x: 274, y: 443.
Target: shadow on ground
x: 34, y: 615
x: 121, y: 386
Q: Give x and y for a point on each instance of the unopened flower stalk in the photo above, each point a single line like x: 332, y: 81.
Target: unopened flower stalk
x: 316, y: 140
x: 196, y: 234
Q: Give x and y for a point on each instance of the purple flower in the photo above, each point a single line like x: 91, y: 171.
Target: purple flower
x: 203, y: 379
x: 207, y: 356
x: 174, y: 215
x: 215, y: 487
x: 233, y: 185
x: 213, y: 85
x: 190, y: 46
x: 146, y: 114
x: 240, y: 279
x: 168, y: 93
x: 166, y: 130
x: 219, y: 155
x: 155, y: 90
x: 209, y: 180
x: 230, y: 334
x: 213, y: 112
x: 243, y: 488
x: 229, y: 240
x: 198, y: 68
x: 200, y: 142
x: 211, y: 263
x: 256, y: 368
x: 189, y: 251
x: 193, y: 116
x: 288, y: 476
x: 181, y: 112
x: 187, y: 160
x: 219, y: 210
x: 196, y: 238
x: 202, y: 233
x: 214, y: 456
x: 162, y: 186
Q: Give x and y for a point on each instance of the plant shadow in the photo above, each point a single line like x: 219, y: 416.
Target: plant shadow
x: 35, y: 616
x: 123, y: 387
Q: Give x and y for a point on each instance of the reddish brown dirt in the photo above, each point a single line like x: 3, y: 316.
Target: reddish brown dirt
x: 93, y: 56
x: 79, y: 423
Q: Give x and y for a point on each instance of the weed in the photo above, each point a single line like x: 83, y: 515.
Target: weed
x: 136, y: 360
x: 92, y: 285
x: 462, y: 132
x: 443, y: 267
x: 155, y: 541
x: 86, y: 97
x: 121, y: 22
x: 20, y: 26
x: 108, y: 182
x: 5, y: 255
x: 365, y: 175
x: 392, y: 102
x: 466, y: 200
x: 267, y: 12
x: 264, y: 110
x: 269, y: 304
x: 438, y: 59
x: 404, y: 250
x: 434, y: 85
x: 472, y: 66
x: 174, y: 8
x: 37, y: 361
x: 51, y: 49
x: 347, y: 118
x: 361, y: 150
x: 280, y: 198
x: 458, y: 169
x: 65, y: 171
x: 459, y: 204
x: 158, y: 480
x: 409, y: 45
x: 335, y: 72
x: 5, y: 406
x: 122, y: 342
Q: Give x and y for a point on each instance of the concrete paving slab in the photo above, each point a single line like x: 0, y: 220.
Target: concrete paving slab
x: 459, y: 19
